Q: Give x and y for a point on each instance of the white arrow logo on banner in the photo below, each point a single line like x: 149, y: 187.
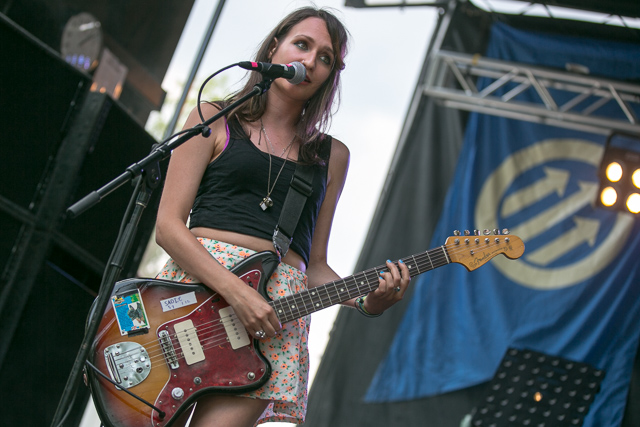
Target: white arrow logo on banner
x: 585, y: 230
x: 532, y: 270
x: 558, y: 213
x: 555, y: 181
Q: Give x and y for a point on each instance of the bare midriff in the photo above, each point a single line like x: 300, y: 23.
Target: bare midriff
x: 250, y: 242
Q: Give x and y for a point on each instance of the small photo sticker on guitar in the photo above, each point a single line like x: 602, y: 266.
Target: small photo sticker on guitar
x: 130, y: 312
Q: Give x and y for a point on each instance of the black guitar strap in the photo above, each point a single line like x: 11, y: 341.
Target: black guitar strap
x: 299, y: 190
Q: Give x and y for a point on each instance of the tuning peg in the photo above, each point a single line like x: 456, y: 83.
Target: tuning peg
x: 467, y: 233
x: 456, y: 232
x: 476, y: 232
x: 496, y: 232
x: 505, y: 231
x: 486, y: 231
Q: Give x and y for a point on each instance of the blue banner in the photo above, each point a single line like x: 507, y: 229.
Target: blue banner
x: 575, y: 293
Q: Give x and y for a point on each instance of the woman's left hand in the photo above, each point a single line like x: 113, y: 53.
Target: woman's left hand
x: 393, y: 284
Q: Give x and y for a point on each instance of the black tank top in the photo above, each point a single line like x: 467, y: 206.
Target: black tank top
x: 235, y: 183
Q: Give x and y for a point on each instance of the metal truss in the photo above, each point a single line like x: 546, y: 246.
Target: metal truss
x: 452, y: 77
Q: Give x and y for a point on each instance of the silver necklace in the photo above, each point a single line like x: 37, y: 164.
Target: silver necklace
x: 267, y: 202
x: 270, y: 144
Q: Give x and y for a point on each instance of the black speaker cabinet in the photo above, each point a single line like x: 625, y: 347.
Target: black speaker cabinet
x: 60, y: 142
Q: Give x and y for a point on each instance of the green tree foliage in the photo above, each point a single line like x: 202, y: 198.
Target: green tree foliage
x: 158, y: 121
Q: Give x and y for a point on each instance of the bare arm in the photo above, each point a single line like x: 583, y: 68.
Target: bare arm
x: 319, y: 272
x: 186, y: 168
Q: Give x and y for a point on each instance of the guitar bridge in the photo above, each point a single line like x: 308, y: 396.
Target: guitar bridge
x: 168, y: 350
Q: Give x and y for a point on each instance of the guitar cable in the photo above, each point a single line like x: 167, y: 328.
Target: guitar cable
x: 161, y: 413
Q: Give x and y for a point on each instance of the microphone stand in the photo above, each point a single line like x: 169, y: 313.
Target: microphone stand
x: 149, y: 169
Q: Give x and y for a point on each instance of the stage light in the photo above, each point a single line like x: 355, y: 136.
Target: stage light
x: 608, y: 197
x: 614, y: 172
x: 633, y: 203
x: 635, y: 178
x: 619, y: 174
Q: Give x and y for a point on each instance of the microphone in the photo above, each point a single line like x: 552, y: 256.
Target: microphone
x: 294, y: 72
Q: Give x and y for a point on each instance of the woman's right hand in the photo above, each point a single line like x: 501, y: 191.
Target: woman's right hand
x: 253, y: 311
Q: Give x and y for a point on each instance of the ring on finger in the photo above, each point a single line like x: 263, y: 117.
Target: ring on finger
x: 260, y: 334
x: 397, y: 289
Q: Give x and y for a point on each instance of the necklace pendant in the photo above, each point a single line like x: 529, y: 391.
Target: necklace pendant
x: 266, y: 203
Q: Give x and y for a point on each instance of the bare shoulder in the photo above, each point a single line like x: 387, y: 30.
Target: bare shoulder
x: 339, y: 160
x: 209, y: 110
x: 217, y: 139
x: 339, y: 148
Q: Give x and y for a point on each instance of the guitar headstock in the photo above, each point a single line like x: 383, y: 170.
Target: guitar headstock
x: 476, y: 249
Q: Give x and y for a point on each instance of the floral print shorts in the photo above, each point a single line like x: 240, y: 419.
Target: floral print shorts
x: 287, y: 352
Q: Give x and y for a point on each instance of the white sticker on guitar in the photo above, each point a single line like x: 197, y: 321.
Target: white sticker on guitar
x: 179, y: 301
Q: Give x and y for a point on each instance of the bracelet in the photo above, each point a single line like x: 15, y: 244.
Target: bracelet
x: 359, y: 305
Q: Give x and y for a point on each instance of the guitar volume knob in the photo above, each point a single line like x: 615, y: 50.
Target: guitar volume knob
x: 177, y: 393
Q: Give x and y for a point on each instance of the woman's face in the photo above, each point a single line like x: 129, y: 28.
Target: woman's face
x: 307, y: 42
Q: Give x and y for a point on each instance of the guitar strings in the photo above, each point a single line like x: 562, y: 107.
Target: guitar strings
x: 208, y: 332
x: 221, y: 338
x: 438, y: 258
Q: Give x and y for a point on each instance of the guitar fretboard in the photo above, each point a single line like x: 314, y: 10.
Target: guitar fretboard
x: 309, y: 301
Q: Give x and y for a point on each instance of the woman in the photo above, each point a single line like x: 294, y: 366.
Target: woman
x: 232, y: 185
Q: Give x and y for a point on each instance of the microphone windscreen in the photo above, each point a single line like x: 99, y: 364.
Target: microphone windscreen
x: 300, y: 73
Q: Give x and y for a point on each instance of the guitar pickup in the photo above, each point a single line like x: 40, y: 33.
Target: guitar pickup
x: 236, y: 333
x: 189, y: 342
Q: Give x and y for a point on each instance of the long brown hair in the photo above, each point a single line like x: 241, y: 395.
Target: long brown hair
x: 317, y: 114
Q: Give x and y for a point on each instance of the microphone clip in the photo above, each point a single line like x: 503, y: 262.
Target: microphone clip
x: 265, y: 84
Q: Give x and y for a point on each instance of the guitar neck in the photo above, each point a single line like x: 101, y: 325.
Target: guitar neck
x: 309, y: 301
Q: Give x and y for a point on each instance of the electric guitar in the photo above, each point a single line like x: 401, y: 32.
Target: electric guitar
x: 162, y: 344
